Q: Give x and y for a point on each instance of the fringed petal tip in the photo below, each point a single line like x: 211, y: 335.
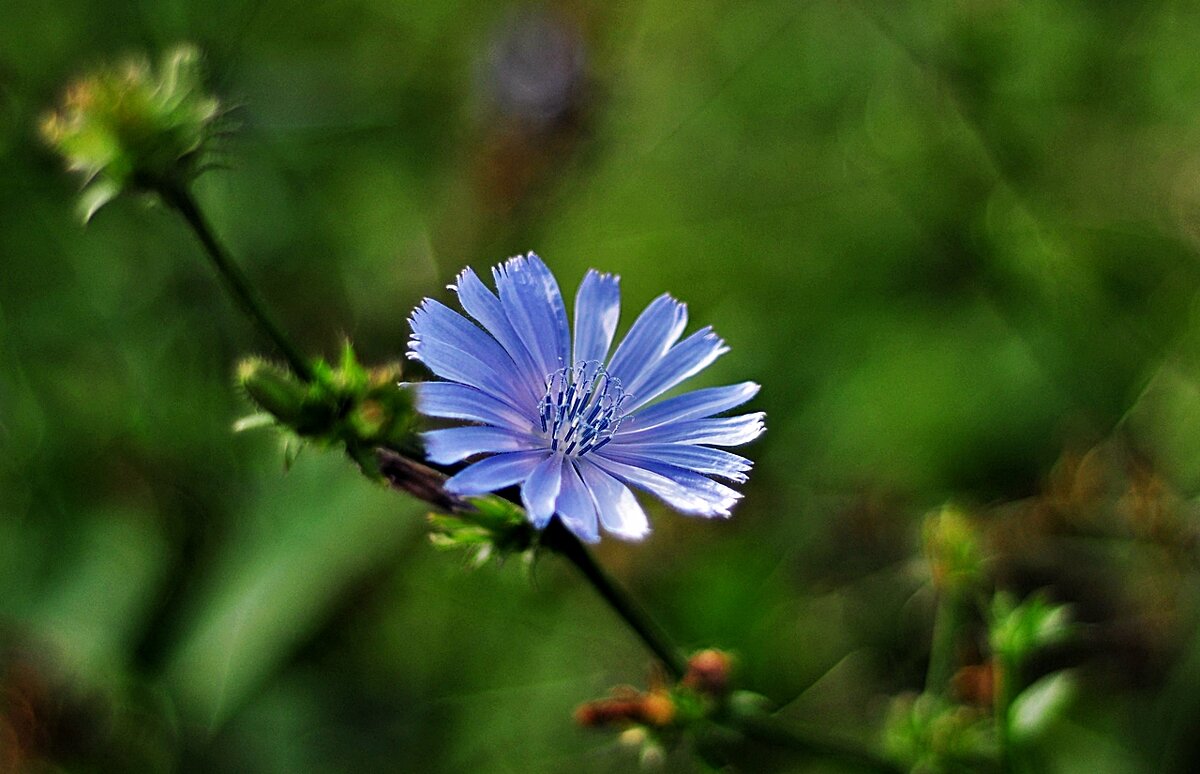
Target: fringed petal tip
x: 603, y: 276
x: 497, y: 364
x: 518, y: 263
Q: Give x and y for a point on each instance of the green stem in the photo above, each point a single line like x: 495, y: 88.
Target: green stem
x: 561, y: 540
x: 945, y: 642
x: 767, y: 730
x: 1005, y: 677
x: 425, y: 483
x: 235, y: 281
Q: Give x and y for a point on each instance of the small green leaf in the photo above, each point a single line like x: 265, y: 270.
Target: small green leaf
x: 253, y: 422
x: 1040, y: 704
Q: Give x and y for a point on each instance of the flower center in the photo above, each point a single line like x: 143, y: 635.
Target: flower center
x: 581, y: 408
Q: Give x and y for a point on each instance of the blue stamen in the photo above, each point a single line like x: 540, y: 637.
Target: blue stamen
x: 581, y: 408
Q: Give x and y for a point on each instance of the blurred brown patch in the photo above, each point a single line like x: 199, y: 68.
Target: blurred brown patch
x: 1109, y: 535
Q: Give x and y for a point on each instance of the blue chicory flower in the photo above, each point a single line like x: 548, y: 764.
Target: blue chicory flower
x: 573, y: 426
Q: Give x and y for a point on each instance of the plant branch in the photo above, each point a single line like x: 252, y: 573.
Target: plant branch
x: 943, y: 653
x: 235, y: 281
x: 769, y: 731
x: 563, y: 542
x: 425, y: 483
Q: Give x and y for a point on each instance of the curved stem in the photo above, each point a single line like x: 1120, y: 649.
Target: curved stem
x: 426, y: 483
x: 235, y: 281
x: 945, y: 641
x: 769, y: 731
x: 561, y: 540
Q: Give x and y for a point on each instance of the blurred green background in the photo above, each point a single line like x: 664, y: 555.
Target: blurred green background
x: 957, y: 242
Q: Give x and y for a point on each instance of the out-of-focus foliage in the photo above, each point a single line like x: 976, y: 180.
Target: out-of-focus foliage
x: 956, y: 242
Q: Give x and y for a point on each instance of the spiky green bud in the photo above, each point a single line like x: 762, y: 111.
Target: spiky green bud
x: 135, y: 128
x: 348, y: 404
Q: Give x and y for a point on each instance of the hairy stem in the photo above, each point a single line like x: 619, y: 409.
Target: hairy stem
x: 235, y: 281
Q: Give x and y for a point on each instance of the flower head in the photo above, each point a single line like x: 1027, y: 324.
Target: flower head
x: 134, y: 127
x: 571, y: 423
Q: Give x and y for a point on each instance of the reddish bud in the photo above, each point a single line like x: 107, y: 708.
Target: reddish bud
x: 709, y: 672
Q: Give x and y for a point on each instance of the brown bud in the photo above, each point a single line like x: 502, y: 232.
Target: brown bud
x: 657, y: 709
x: 708, y: 672
x: 976, y: 684
x: 627, y: 706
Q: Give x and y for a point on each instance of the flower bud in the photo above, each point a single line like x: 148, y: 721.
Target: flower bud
x: 952, y: 548
x: 136, y: 128
x: 634, y: 737
x: 709, y: 672
x: 657, y: 709
x: 652, y: 709
x: 274, y: 390
x: 344, y: 404
x: 925, y: 733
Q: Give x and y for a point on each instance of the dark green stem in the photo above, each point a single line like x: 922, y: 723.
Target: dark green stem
x: 235, y: 281
x: 945, y: 642
x: 562, y: 541
x: 425, y: 483
x: 1006, y: 677
x: 769, y: 731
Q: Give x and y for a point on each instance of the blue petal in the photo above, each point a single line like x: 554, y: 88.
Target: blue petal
x: 575, y: 506
x: 494, y: 473
x: 651, y: 335
x: 459, y: 401
x: 534, y: 306
x: 455, y: 444
x: 619, y: 510
x: 597, y: 310
x: 686, y: 359
x: 692, y: 405
x: 482, y: 304
x: 682, y: 489
x: 454, y: 348
x: 702, y: 459
x: 715, y: 431
x: 540, y: 490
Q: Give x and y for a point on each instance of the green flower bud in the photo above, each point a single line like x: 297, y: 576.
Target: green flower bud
x: 274, y: 390
x: 489, y: 526
x: 346, y: 404
x: 135, y: 128
x: 925, y: 733
x: 952, y: 549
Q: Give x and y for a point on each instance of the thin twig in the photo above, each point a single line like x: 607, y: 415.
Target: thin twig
x: 564, y: 542
x: 769, y: 731
x: 425, y: 483
x: 235, y: 281
x: 428, y: 485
